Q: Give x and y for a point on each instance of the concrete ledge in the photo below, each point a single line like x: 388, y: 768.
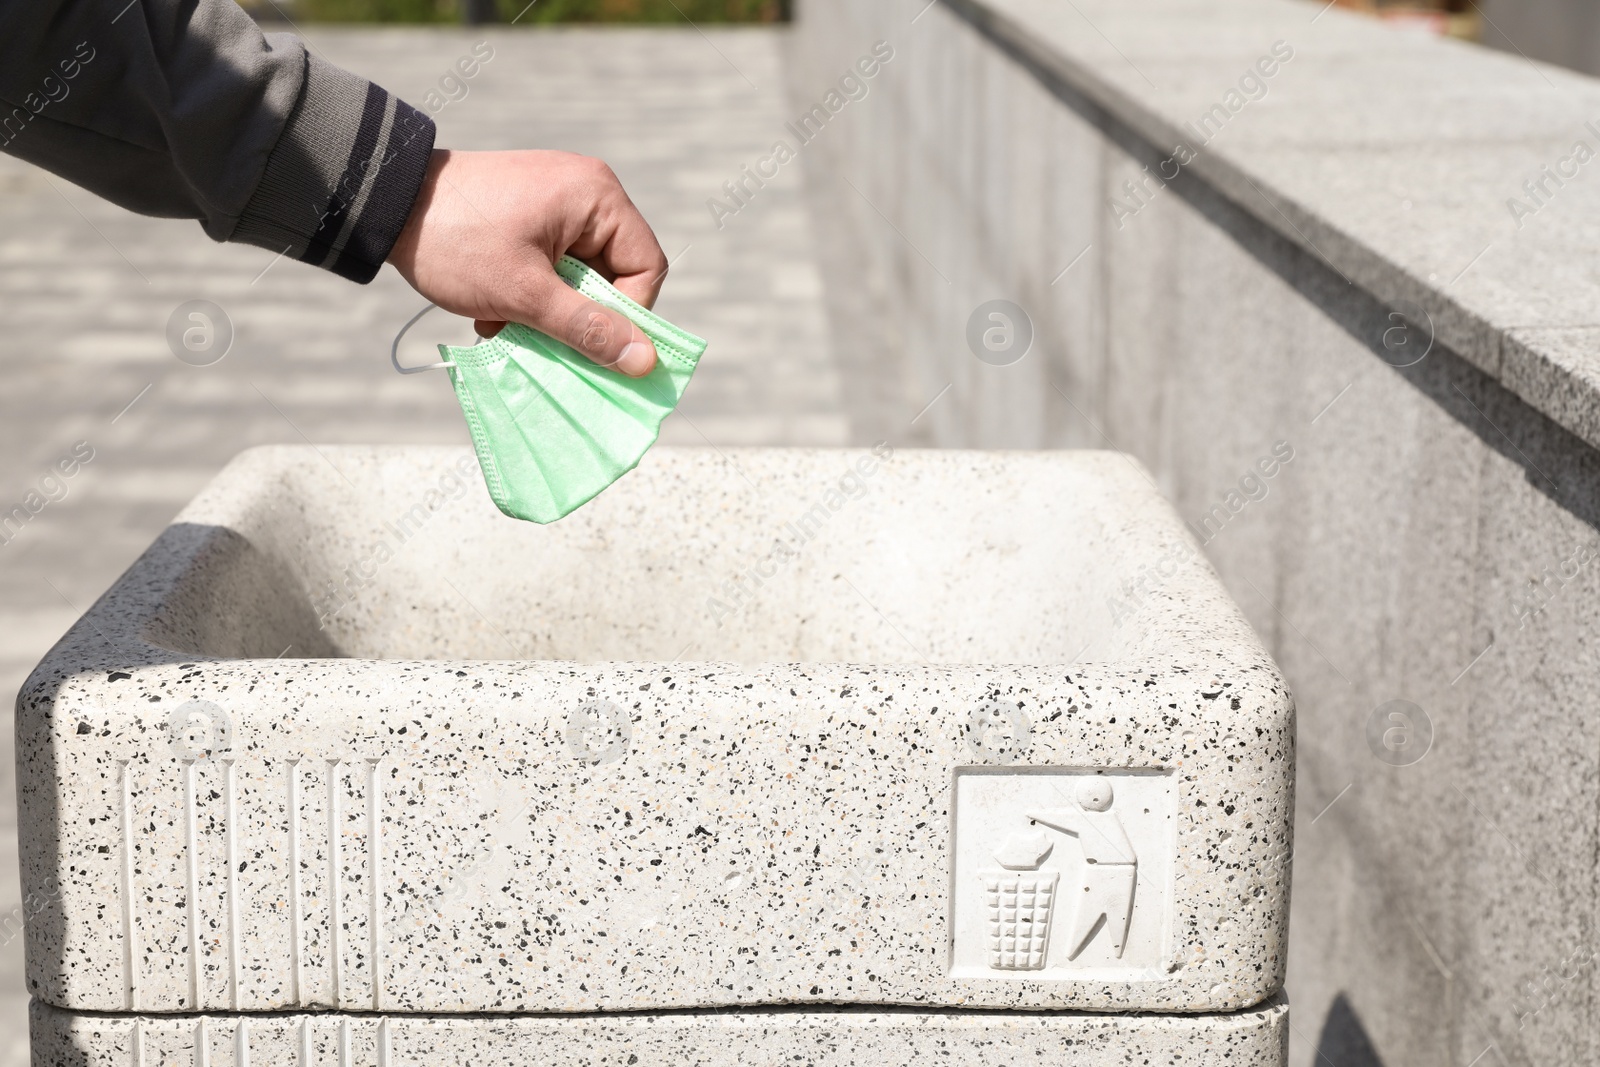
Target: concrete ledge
x: 1254, y: 1038
x: 1396, y: 160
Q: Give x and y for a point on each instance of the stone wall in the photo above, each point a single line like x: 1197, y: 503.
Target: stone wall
x: 1359, y: 261
x: 1556, y: 31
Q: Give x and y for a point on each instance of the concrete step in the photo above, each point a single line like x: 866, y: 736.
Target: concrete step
x: 839, y: 1038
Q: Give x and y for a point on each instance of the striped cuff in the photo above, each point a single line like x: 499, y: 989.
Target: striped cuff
x: 339, y: 185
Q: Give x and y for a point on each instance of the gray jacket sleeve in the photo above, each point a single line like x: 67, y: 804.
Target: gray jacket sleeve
x: 184, y: 109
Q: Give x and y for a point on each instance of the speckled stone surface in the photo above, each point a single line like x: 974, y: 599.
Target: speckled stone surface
x: 845, y: 1038
x: 347, y: 737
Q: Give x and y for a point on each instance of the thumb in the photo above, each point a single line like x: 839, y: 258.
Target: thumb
x: 604, y: 335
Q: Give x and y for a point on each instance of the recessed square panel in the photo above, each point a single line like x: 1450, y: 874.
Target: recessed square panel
x: 1062, y: 873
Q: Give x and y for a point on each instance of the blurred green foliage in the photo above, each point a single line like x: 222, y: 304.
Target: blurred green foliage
x: 546, y: 11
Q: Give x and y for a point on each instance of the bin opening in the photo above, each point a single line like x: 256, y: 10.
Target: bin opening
x: 748, y: 556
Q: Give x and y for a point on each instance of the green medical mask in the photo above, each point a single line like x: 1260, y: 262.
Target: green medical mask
x: 551, y: 428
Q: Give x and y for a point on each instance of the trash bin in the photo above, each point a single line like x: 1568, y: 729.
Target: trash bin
x: 764, y: 749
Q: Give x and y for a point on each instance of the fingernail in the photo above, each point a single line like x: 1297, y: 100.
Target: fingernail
x: 635, y: 359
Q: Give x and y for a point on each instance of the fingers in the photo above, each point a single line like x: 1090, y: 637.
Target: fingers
x: 636, y: 260
x: 624, y: 249
x: 607, y: 337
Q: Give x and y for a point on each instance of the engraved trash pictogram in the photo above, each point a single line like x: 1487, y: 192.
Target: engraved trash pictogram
x: 1063, y: 872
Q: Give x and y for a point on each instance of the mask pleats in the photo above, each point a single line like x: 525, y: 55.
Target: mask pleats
x: 555, y: 428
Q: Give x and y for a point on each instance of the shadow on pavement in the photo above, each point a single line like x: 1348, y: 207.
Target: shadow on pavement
x: 1344, y: 1041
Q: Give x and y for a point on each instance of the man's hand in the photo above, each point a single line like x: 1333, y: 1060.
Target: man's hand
x: 487, y: 228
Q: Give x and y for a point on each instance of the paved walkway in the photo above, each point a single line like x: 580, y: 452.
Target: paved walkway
x: 88, y: 289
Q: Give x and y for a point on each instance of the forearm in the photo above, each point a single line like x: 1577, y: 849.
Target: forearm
x: 183, y: 108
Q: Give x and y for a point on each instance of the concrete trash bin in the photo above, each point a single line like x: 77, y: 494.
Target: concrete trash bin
x: 852, y: 742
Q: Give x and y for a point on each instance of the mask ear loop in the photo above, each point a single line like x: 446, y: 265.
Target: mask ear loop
x: 394, y: 349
